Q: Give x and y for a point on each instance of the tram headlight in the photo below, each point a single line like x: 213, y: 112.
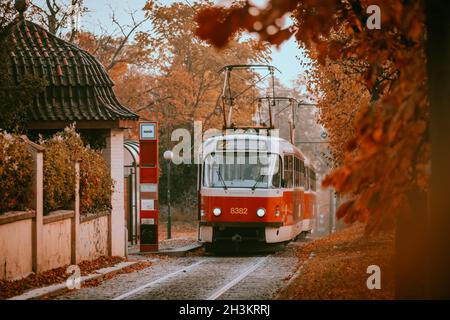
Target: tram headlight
x: 202, y: 212
x: 217, y: 212
x: 261, y: 212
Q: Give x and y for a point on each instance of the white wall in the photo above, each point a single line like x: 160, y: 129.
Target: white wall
x: 16, y: 249
x: 113, y: 154
x: 93, y: 239
x: 56, y: 244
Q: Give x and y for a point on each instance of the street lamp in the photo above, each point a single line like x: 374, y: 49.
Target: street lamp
x: 168, y: 155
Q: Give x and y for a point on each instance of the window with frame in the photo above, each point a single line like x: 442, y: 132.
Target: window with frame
x: 245, y: 170
x: 289, y: 171
x: 306, y: 178
x: 297, y: 172
x: 302, y: 173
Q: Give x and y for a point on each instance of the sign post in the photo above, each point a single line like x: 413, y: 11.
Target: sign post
x: 148, y: 188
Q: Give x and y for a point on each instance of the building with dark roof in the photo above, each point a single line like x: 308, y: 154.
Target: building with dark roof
x: 78, y: 89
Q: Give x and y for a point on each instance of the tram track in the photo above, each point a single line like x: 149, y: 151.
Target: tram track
x: 155, y: 282
x: 219, y: 292
x: 189, y: 271
x: 254, y: 277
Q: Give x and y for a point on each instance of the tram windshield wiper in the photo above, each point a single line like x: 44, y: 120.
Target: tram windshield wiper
x: 221, y: 179
x: 257, y: 181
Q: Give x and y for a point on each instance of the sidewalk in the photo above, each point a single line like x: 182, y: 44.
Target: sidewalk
x: 55, y: 281
x: 177, y: 247
x: 62, y: 287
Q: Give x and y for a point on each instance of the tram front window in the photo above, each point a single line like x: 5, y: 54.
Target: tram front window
x: 242, y: 170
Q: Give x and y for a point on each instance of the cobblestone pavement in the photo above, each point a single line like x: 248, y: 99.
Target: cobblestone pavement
x: 221, y: 277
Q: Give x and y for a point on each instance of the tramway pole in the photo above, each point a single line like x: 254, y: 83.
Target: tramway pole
x: 168, y: 155
x: 332, y: 210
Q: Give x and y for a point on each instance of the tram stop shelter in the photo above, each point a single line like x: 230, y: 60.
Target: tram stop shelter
x: 131, y: 189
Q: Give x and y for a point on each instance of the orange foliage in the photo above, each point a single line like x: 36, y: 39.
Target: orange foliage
x: 389, y: 154
x: 340, y: 95
x: 169, y: 75
x: 187, y: 83
x: 335, y: 267
x: 16, y: 173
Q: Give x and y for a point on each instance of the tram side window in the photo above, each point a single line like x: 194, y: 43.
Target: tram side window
x: 306, y: 178
x: 288, y: 171
x: 313, y: 180
x: 302, y: 173
x: 297, y: 172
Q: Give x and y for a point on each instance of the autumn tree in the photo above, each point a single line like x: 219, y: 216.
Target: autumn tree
x: 186, y: 83
x: 166, y: 73
x: 340, y: 95
x: 306, y: 126
x: 386, y: 161
x: 58, y: 15
x: 384, y: 127
x: 119, y: 50
x: 438, y: 67
x: 188, y: 79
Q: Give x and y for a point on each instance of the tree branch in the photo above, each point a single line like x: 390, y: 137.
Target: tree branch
x: 126, y: 35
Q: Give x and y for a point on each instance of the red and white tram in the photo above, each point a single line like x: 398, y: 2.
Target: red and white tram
x: 255, y: 192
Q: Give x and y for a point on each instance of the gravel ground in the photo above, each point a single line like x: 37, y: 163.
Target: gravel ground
x: 201, y: 281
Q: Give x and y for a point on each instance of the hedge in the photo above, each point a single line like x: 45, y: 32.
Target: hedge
x: 16, y: 173
x: 95, y: 180
x: 61, y: 150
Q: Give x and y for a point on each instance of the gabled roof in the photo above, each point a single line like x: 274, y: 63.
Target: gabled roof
x: 78, y: 86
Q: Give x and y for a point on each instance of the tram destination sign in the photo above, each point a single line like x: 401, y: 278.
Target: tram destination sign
x: 245, y: 144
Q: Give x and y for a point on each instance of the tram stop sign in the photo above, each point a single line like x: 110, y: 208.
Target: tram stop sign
x: 148, y: 188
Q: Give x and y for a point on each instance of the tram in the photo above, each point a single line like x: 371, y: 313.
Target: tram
x: 255, y: 190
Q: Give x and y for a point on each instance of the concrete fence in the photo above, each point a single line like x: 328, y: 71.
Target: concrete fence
x: 31, y: 242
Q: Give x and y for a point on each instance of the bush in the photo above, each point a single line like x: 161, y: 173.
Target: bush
x: 59, y: 176
x: 16, y: 173
x: 95, y: 182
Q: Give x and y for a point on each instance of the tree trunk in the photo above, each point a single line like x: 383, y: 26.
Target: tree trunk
x: 438, y: 25
x: 411, y: 248
x: 423, y: 235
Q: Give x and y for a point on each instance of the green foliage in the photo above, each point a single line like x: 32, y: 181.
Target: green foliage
x: 95, y: 182
x: 182, y: 184
x: 16, y: 173
x: 94, y: 138
x: 183, y: 180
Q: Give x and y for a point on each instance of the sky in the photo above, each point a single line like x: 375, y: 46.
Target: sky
x: 99, y: 19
